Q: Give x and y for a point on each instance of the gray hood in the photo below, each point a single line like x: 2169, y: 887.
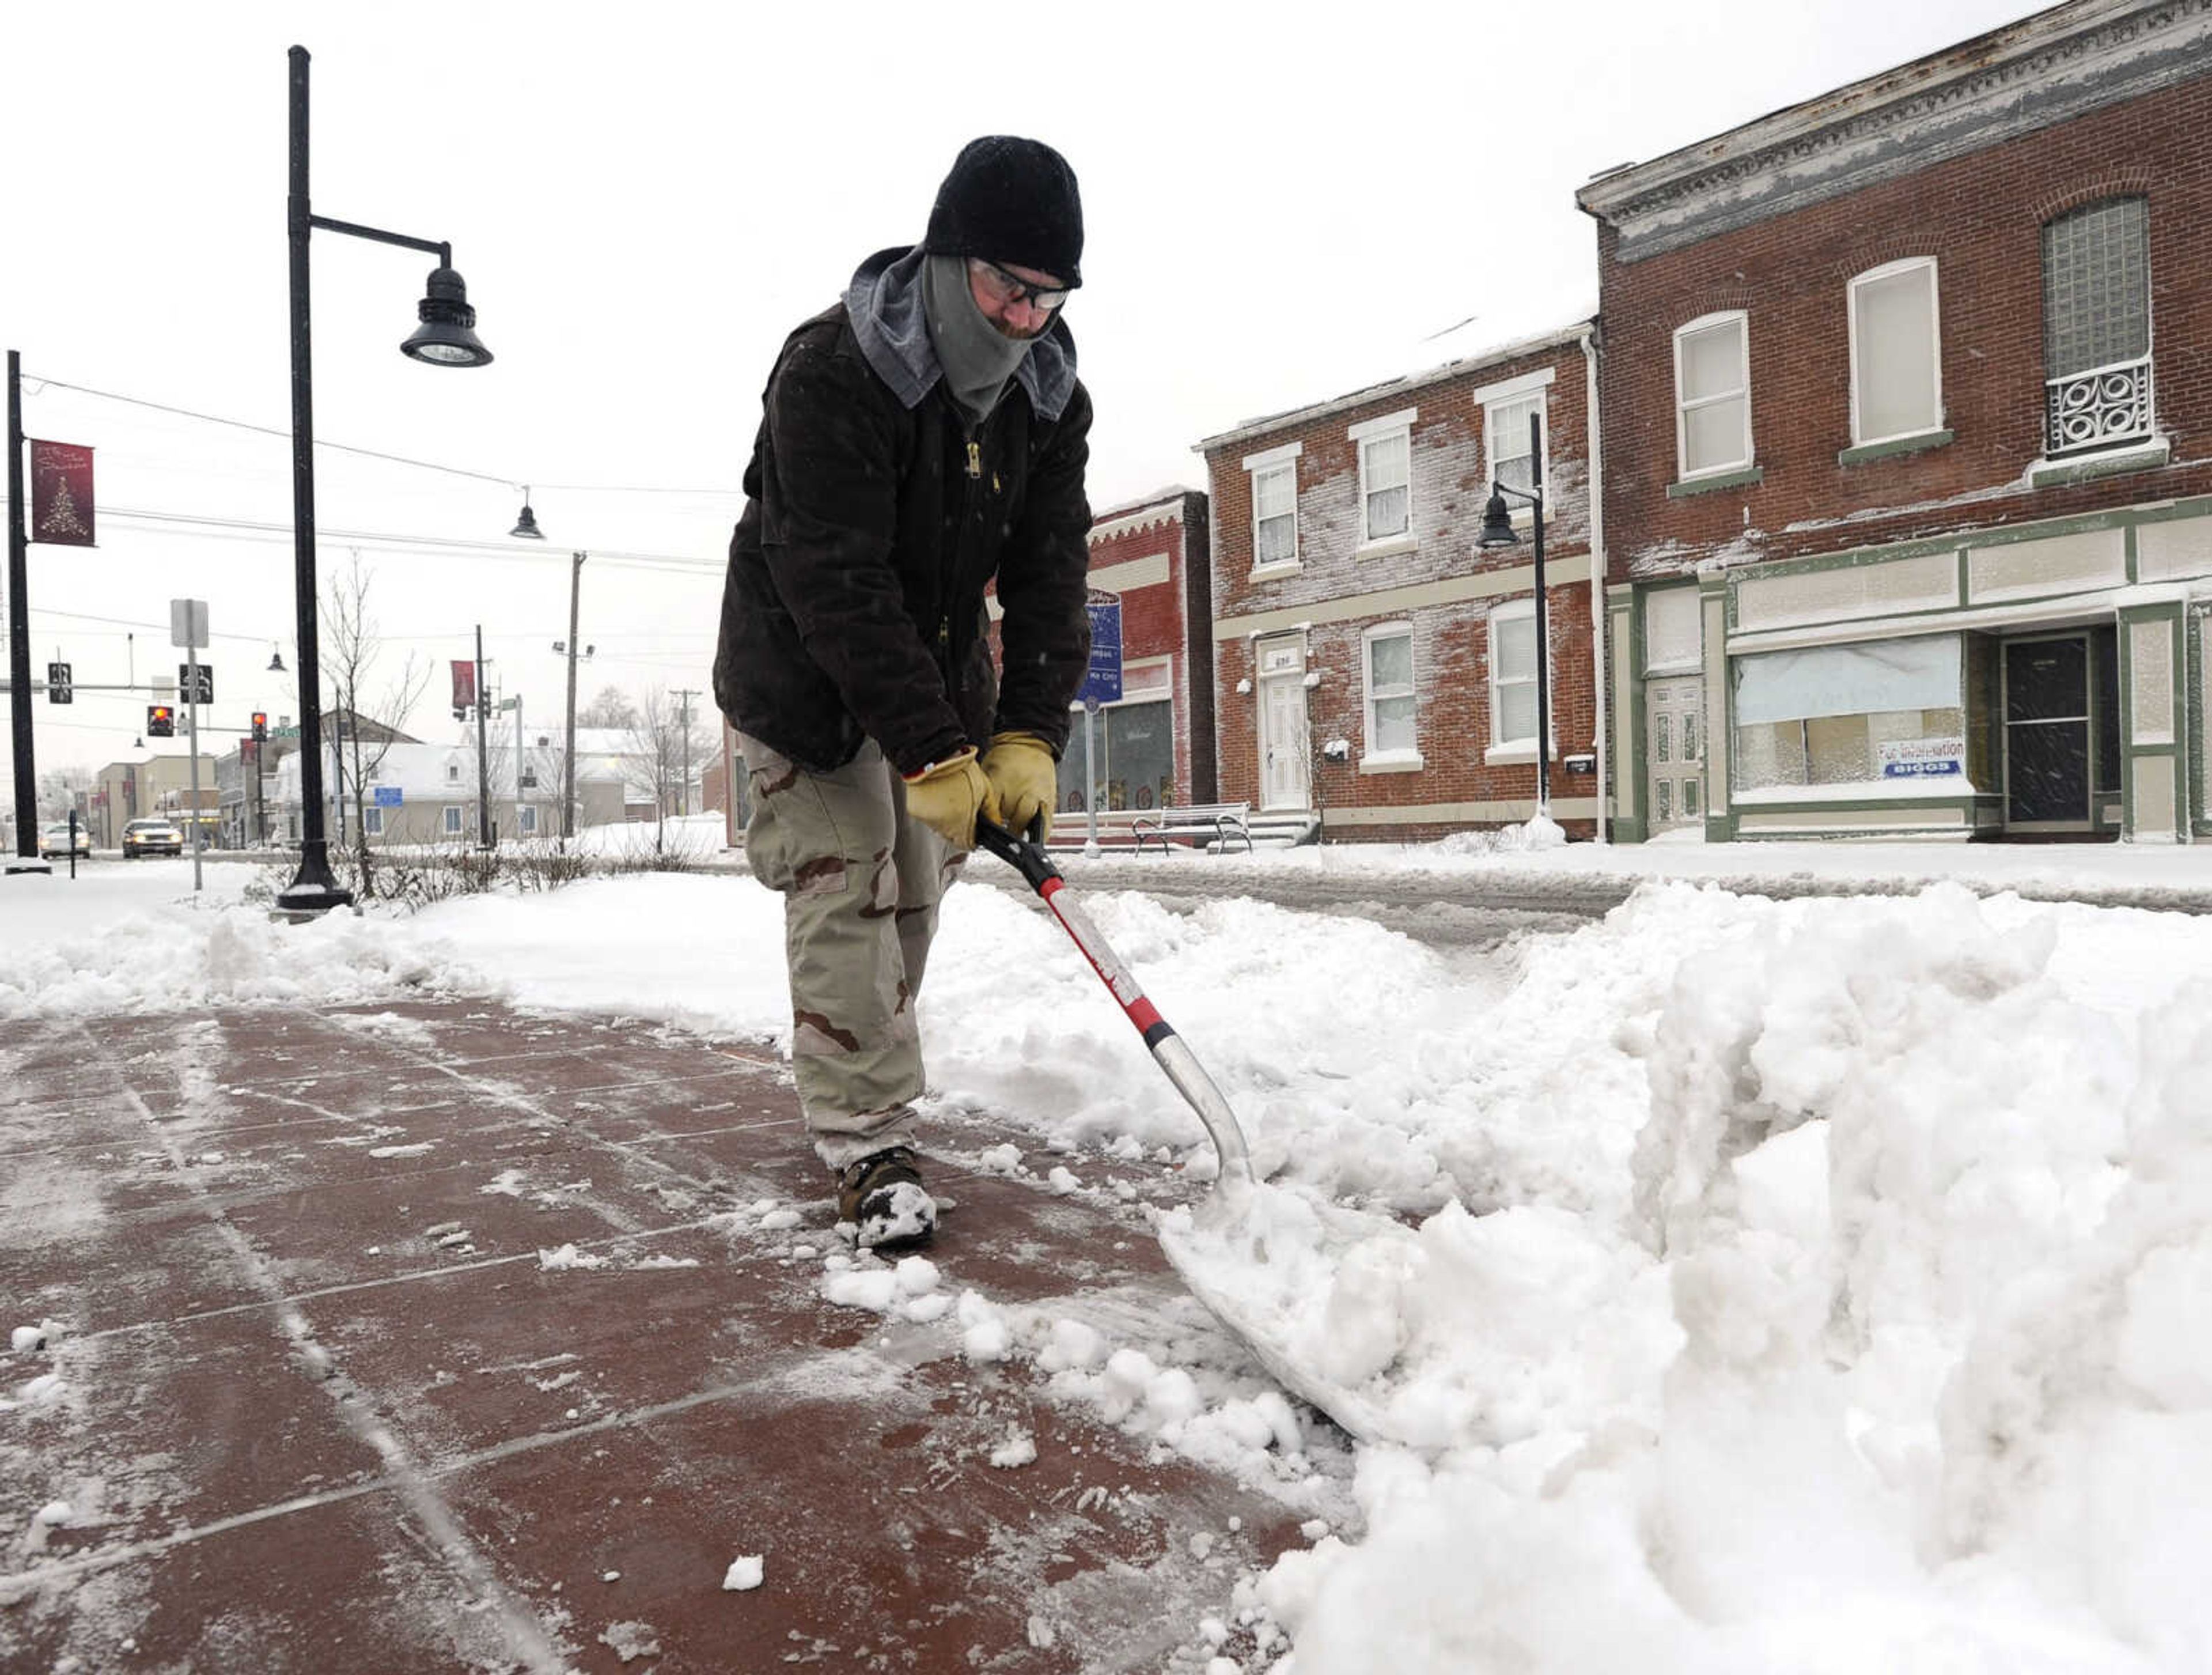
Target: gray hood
x: 885, y: 304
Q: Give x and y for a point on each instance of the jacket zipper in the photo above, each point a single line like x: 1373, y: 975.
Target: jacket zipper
x: 945, y: 619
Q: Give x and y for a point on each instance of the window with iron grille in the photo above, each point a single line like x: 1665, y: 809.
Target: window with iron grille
x: 2096, y: 287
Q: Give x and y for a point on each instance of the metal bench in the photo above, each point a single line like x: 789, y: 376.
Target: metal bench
x: 1219, y: 824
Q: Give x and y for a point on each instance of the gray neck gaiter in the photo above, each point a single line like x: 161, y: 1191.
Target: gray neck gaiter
x: 977, y: 360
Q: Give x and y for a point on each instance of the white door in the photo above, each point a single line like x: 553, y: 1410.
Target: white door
x: 1282, y: 664
x: 1674, y: 749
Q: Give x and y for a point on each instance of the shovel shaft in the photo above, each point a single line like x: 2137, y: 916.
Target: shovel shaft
x: 1170, y: 1052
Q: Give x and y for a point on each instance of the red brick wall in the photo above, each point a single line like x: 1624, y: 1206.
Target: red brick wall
x: 1155, y: 621
x: 1981, y: 217
x: 1450, y: 488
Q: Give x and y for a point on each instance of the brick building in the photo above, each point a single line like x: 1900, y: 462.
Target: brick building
x: 1376, y: 669
x: 1155, y: 746
x: 1906, y: 396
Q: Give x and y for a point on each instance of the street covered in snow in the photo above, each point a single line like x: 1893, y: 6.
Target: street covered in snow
x: 1812, y: 1283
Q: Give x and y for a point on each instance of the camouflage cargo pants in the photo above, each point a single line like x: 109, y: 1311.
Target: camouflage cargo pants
x: 861, y: 885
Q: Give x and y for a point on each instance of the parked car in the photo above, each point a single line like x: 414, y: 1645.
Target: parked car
x: 54, y: 841
x: 152, y: 837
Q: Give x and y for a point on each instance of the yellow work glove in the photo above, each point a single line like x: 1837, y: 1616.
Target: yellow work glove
x: 946, y: 797
x: 1023, y: 776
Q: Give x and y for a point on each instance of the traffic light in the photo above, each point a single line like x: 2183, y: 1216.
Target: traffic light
x: 160, y: 721
x: 260, y: 724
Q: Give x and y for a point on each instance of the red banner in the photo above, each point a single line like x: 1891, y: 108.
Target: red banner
x: 464, y: 684
x: 61, y: 494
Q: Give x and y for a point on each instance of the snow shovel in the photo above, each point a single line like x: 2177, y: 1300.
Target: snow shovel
x: 1262, y: 1259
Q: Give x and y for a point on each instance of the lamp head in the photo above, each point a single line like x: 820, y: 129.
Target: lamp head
x: 1496, y: 524
x: 446, y: 337
x: 276, y: 661
x: 525, y: 525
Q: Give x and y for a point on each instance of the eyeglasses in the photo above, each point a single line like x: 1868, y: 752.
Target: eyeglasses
x: 1004, y: 288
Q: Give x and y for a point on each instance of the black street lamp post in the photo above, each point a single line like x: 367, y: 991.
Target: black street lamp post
x: 444, y: 337
x: 1498, y: 532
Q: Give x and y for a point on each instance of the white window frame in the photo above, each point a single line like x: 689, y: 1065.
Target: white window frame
x: 1372, y: 760
x: 525, y: 820
x: 1365, y: 436
x: 1890, y: 271
x: 1520, y: 749
x: 1522, y: 511
x: 371, y: 820
x: 1257, y: 466
x: 1742, y: 321
x: 452, y: 820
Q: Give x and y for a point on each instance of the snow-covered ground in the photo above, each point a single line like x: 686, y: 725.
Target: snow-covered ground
x: 1809, y: 1285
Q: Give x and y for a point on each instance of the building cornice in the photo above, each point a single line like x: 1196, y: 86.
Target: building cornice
x: 2042, y: 70
x: 1163, y: 507
x: 1481, y: 361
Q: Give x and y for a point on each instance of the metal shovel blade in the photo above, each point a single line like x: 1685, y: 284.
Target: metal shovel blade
x: 1264, y: 1260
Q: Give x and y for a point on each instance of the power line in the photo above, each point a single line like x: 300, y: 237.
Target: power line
x: 204, y: 523
x: 514, y: 482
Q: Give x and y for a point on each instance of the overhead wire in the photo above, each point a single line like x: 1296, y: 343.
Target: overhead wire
x: 511, y: 482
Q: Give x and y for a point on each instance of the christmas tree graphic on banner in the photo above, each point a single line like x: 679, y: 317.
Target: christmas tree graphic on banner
x: 61, y: 494
x: 61, y: 520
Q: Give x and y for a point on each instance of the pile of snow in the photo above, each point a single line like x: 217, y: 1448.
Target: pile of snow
x: 1814, y: 1285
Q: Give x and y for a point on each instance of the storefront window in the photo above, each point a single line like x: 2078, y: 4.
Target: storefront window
x: 1888, y: 712
x: 1135, y: 749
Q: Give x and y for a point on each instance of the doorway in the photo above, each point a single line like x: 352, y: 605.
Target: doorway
x: 1284, y: 782
x: 1675, y: 752
x: 2047, y: 732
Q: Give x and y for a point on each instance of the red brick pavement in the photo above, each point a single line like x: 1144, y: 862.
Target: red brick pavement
x: 327, y: 1410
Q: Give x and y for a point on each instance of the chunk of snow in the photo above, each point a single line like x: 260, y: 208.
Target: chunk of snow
x: 745, y: 1573
x: 778, y: 1221
x: 631, y: 1640
x: 1061, y: 1180
x: 1019, y: 1448
x: 1004, y: 1159
x: 875, y: 1289
x: 567, y: 1255
x: 916, y: 1275
x: 1073, y: 1343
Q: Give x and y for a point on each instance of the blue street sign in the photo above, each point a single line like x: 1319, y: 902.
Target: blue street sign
x: 387, y: 796
x: 1102, y: 682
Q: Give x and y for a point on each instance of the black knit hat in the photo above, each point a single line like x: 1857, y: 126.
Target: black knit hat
x: 1010, y: 200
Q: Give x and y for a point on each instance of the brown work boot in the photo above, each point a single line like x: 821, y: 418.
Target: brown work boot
x: 882, y: 1196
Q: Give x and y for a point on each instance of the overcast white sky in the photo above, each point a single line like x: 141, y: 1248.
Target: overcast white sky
x: 645, y: 198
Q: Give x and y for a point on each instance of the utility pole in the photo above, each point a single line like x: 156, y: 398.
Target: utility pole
x: 569, y: 755
x: 683, y: 722
x: 517, y: 702
x: 19, y: 634
x: 484, y: 754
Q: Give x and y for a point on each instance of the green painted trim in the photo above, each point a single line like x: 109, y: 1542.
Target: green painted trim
x: 1706, y: 485
x: 1624, y: 616
x: 1957, y: 541
x: 2194, y: 624
x: 2196, y: 506
x: 1889, y: 450
x: 2064, y: 473
x: 2174, y: 618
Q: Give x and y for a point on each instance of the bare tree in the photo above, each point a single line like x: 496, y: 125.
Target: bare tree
x: 59, y: 789
x: 351, y: 646
x: 663, y: 745
x: 611, y: 708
